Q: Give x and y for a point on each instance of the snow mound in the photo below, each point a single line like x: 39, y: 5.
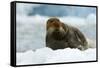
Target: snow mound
x: 47, y: 55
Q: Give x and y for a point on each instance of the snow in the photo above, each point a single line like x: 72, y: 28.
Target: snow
x: 47, y: 55
x: 31, y: 33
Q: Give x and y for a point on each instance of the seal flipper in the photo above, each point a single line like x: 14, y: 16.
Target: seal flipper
x: 81, y: 38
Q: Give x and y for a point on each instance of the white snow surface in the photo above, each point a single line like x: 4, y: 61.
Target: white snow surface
x: 31, y: 33
x: 46, y: 55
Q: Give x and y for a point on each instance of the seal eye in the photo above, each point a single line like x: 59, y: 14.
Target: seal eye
x: 57, y: 20
x: 51, y: 21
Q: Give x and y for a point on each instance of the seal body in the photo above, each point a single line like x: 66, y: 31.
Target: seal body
x: 60, y: 36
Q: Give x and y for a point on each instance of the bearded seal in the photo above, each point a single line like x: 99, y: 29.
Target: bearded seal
x: 60, y: 36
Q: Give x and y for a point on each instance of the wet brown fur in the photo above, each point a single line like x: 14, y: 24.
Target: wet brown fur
x: 60, y: 36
